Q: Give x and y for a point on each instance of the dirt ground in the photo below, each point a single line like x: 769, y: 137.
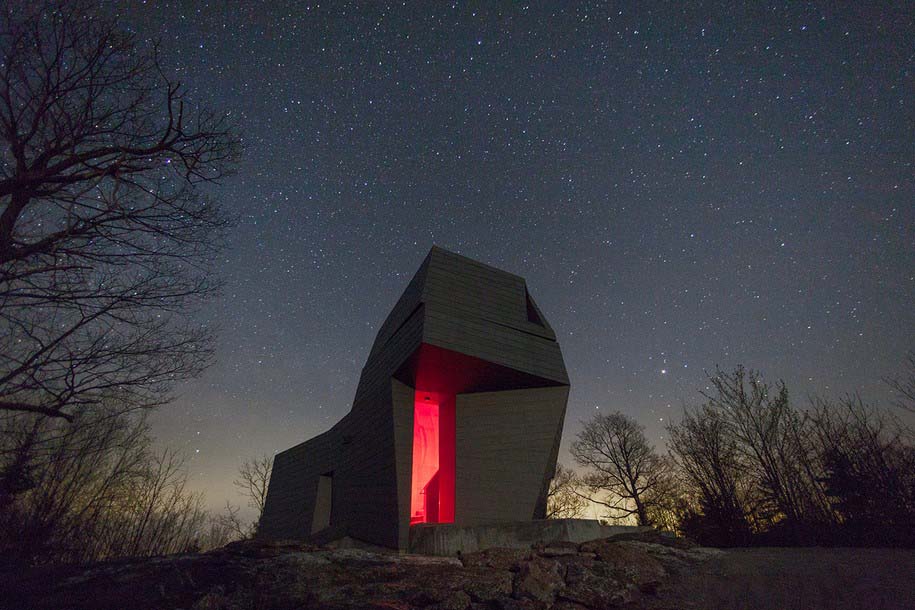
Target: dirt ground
x: 795, y: 578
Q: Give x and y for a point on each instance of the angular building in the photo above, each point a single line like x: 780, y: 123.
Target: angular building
x: 457, y: 418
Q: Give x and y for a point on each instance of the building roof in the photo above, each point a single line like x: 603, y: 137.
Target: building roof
x: 477, y: 310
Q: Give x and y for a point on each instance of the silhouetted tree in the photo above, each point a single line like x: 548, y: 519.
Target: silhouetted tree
x: 621, y: 464
x: 95, y: 489
x: 904, y: 384
x: 564, y: 499
x: 162, y: 515
x: 868, y: 466
x: 758, y: 470
x: 224, y: 528
x: 253, y: 480
x: 104, y: 235
x: 770, y: 435
x: 666, y: 501
x: 712, y: 467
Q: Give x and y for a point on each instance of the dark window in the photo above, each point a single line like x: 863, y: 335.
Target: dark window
x: 324, y: 503
x: 532, y: 314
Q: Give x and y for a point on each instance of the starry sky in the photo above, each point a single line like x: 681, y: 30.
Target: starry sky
x: 681, y: 186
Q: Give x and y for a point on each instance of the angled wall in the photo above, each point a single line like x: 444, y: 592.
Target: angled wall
x: 507, y: 444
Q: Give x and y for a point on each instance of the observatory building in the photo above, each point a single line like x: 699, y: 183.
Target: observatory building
x: 457, y: 418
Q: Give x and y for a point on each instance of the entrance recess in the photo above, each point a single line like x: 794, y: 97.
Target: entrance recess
x: 432, y: 483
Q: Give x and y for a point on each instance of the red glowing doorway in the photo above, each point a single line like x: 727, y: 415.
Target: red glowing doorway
x: 432, y: 487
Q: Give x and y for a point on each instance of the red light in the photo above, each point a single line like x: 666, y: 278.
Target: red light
x: 432, y: 489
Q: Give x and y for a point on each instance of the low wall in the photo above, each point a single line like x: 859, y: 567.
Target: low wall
x: 448, y: 539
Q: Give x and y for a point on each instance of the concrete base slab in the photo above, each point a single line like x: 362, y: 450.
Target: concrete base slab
x: 449, y: 539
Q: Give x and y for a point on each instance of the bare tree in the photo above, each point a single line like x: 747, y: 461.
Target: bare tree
x: 753, y: 466
x: 253, y: 480
x: 622, y: 465
x: 667, y: 501
x: 713, y: 470
x: 68, y: 475
x: 162, y: 515
x: 91, y: 489
x: 564, y: 500
x: 105, y: 236
x: 904, y: 384
x: 232, y: 523
x: 868, y: 464
x: 771, y: 436
x: 223, y: 528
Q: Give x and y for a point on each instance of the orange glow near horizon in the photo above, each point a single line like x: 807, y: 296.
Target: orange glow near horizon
x: 432, y: 487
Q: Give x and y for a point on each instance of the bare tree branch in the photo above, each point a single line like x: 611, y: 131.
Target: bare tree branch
x: 904, y: 384
x: 621, y: 465
x: 253, y: 479
x: 563, y: 499
x: 105, y: 238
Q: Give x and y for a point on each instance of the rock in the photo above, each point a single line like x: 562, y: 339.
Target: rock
x: 522, y: 604
x: 651, y: 536
x: 217, y: 600
x: 673, y: 559
x: 486, y: 585
x: 539, y: 579
x: 293, y: 576
x: 456, y: 600
x: 496, y: 558
x: 618, y: 573
x: 595, y: 586
x: 567, y: 605
x: 631, y: 562
x: 557, y: 549
x: 258, y: 548
x: 583, y: 560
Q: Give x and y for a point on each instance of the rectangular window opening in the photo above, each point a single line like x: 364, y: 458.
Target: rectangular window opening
x: 324, y: 503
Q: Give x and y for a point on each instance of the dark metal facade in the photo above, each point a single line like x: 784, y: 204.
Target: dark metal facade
x: 464, y: 329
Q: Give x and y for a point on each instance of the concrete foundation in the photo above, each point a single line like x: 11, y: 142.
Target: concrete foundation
x: 449, y: 539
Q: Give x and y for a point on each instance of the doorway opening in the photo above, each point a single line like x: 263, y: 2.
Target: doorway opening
x: 432, y: 487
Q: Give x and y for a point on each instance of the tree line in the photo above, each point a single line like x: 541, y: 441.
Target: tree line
x: 748, y: 466
x: 97, y: 487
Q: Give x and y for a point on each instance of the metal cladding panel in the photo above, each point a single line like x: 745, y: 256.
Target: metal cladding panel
x: 506, y: 445
x: 495, y: 343
x: 379, y: 368
x: 289, y: 506
x: 402, y: 399
x: 403, y: 309
x: 469, y: 289
x: 284, y: 508
x: 465, y: 306
x: 368, y: 478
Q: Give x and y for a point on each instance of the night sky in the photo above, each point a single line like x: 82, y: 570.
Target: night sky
x: 681, y: 187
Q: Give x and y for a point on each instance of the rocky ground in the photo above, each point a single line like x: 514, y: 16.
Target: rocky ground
x: 630, y: 571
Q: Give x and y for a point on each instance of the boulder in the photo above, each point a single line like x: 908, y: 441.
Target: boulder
x: 485, y: 585
x: 538, y: 579
x: 557, y: 549
x: 629, y: 563
x: 496, y: 558
x: 595, y: 586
